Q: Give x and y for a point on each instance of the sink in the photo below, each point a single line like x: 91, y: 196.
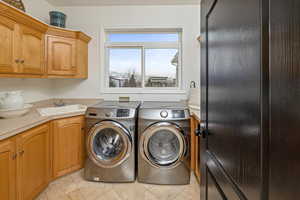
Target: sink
x: 194, y: 97
x: 194, y: 100
x: 50, y: 111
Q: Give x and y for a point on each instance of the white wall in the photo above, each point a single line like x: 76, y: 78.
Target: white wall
x: 34, y: 89
x: 92, y: 19
x: 39, y: 9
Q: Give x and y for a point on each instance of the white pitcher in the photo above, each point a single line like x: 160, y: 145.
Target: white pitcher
x: 12, y: 100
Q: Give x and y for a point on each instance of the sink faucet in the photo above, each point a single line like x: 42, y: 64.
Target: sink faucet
x: 59, y: 103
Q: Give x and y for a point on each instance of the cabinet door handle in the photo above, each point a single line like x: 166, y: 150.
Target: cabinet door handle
x: 17, y: 60
x: 21, y: 152
x: 14, y: 156
x: 22, y: 61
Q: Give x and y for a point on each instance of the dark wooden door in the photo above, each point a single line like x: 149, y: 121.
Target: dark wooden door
x: 231, y: 165
x: 285, y: 100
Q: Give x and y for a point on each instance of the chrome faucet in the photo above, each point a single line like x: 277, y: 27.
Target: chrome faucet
x: 59, y: 103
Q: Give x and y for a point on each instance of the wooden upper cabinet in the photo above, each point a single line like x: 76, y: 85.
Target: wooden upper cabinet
x: 67, y: 53
x: 61, y: 56
x: 32, y: 47
x: 33, y: 164
x: 7, y: 48
x: 7, y: 170
x: 68, y: 145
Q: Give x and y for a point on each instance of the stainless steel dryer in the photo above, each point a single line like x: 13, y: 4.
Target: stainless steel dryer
x: 110, y: 142
x: 164, y: 140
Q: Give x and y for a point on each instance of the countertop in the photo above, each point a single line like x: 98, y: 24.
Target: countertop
x: 195, y: 111
x: 12, y: 127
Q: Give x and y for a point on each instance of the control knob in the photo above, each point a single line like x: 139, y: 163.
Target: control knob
x: 164, y: 114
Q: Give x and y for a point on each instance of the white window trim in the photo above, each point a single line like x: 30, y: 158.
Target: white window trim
x: 104, y: 45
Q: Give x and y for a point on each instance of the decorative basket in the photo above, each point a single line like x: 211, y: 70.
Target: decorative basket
x: 57, y: 19
x: 16, y: 3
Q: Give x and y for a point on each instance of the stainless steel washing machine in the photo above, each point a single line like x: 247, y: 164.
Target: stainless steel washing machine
x: 110, y: 142
x: 164, y: 141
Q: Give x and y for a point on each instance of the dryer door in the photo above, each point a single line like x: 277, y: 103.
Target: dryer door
x: 163, y: 145
x: 109, y: 144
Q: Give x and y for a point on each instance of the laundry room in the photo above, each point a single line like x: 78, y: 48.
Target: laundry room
x: 149, y: 99
x: 76, y: 80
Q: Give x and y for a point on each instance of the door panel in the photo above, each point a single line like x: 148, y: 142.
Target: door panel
x: 67, y: 146
x: 61, y: 56
x: 32, y: 51
x: 213, y: 190
x: 7, y: 48
x: 7, y: 170
x: 33, y: 162
x: 285, y: 95
x: 231, y: 100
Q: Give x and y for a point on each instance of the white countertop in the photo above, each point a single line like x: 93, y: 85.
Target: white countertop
x: 12, y: 127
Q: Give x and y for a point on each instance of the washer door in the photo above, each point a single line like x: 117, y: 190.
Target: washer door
x: 109, y: 144
x: 163, y: 145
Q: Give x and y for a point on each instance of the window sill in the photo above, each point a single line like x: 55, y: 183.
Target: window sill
x: 143, y: 91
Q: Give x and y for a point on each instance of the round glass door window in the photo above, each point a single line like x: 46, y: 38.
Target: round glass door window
x: 109, y: 144
x: 163, y: 145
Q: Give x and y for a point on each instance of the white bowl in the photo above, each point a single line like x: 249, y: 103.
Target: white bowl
x: 13, y: 112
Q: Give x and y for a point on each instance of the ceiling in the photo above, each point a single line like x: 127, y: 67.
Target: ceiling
x: 121, y: 2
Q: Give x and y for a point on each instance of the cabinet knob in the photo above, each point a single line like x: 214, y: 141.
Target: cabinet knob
x: 22, y: 61
x: 17, y: 60
x: 21, y: 152
x: 14, y: 156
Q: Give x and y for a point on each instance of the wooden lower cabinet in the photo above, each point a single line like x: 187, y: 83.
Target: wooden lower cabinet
x: 68, y: 145
x: 7, y: 170
x: 33, y: 161
x: 30, y: 160
x: 195, y: 147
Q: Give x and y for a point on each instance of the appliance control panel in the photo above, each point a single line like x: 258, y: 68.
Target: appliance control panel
x: 117, y: 113
x: 123, y: 113
x: 165, y: 114
x: 178, y: 114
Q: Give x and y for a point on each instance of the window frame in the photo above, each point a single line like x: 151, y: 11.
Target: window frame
x: 142, y: 45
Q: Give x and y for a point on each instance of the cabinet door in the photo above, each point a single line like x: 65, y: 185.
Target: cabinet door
x: 32, y: 51
x: 67, y: 145
x: 195, y: 145
x: 61, y: 56
x: 197, y: 151
x: 7, y: 170
x: 8, y: 62
x: 33, y: 162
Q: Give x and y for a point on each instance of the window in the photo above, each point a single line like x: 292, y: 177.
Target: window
x: 143, y: 59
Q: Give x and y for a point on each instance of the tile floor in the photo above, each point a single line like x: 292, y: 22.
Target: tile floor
x: 74, y: 187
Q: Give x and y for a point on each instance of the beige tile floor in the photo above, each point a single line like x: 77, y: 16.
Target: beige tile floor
x: 74, y: 187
